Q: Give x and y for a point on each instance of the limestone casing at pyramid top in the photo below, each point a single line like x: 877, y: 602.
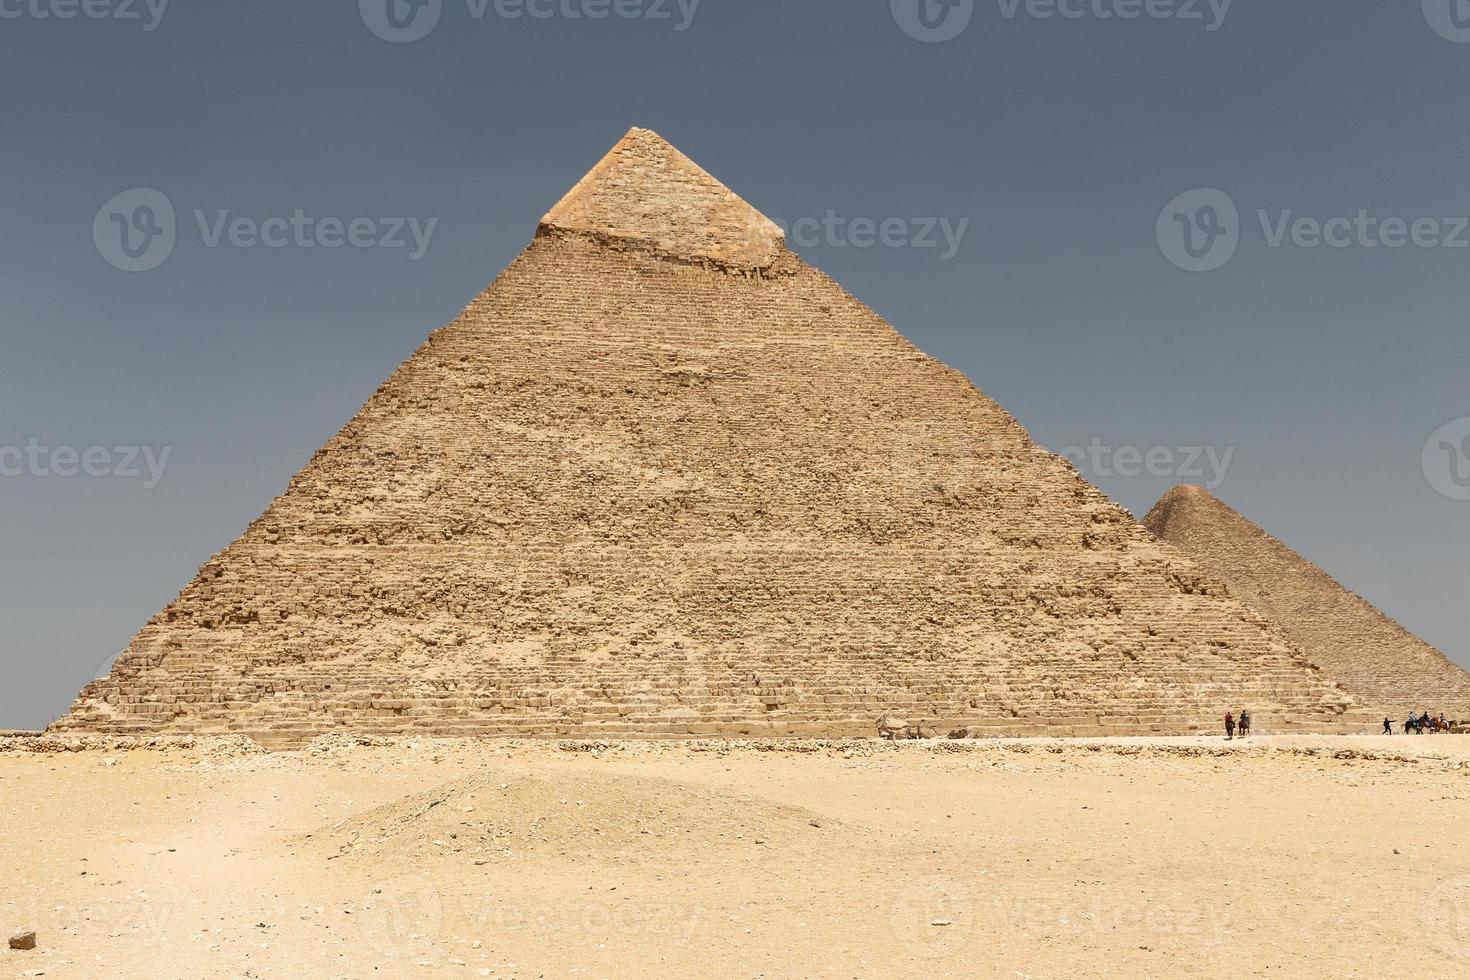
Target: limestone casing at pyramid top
x: 645, y: 191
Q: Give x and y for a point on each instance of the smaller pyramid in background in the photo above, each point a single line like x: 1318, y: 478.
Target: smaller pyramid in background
x: 1385, y: 666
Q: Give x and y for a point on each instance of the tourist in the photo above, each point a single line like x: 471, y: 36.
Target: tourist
x: 1245, y: 723
x: 1229, y: 725
x: 1387, y: 727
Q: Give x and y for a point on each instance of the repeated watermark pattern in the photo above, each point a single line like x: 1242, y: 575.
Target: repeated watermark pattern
x: 137, y: 229
x: 937, y: 21
x: 934, y: 917
x: 1446, y: 459
x: 832, y: 230
x: 405, y: 916
x: 406, y: 21
x: 135, y: 919
x: 147, y: 14
x: 1207, y: 465
x: 1201, y: 230
x: 938, y: 917
x: 40, y: 461
x: 1450, y: 19
x: 954, y: 455
x: 941, y: 453
x: 1446, y: 917
x: 398, y: 913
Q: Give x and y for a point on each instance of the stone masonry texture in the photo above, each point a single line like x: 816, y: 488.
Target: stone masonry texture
x: 663, y: 478
x: 1388, y: 669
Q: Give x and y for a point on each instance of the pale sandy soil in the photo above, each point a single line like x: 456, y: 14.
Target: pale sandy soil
x: 1146, y: 858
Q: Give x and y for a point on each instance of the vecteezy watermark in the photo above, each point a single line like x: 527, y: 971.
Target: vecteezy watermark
x: 1104, y: 917
x: 104, y: 669
x: 401, y: 916
x: 147, y: 13
x: 1449, y: 18
x: 136, y: 230
x: 937, y: 21
x: 1203, y: 464
x: 937, y: 917
x: 933, y: 21
x: 1447, y: 459
x: 135, y: 919
x: 1200, y: 230
x: 837, y: 231
x: 933, y: 918
x: 404, y: 917
x: 1446, y: 917
x: 144, y: 463
x: 572, y: 917
x: 406, y: 21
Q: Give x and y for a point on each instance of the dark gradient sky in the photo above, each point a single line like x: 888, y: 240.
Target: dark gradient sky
x: 1325, y: 370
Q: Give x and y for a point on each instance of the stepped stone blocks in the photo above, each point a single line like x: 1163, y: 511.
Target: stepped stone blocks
x: 1388, y: 669
x: 663, y: 478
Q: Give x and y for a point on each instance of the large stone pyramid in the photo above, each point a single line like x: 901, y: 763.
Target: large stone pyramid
x: 662, y: 477
x: 1387, y: 668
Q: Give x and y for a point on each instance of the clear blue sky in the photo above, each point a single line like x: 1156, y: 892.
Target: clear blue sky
x: 1324, y: 370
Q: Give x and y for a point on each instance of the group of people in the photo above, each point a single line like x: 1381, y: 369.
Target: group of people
x: 1237, y: 724
x: 1421, y: 724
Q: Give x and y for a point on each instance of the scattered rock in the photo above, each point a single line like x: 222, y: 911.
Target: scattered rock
x: 24, y: 940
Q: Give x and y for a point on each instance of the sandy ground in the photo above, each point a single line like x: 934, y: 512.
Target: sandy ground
x: 1301, y: 857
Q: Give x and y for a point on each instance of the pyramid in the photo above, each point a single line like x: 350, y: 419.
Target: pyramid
x: 1388, y: 669
x: 664, y: 478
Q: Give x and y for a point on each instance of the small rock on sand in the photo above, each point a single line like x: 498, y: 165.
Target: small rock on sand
x: 24, y: 940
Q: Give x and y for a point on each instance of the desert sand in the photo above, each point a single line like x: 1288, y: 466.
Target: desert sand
x: 1304, y: 856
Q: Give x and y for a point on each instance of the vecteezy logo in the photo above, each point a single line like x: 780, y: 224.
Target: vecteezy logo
x: 104, y: 669
x: 135, y: 231
x: 1449, y: 18
x: 1447, y: 460
x: 933, y: 21
x: 1446, y: 917
x: 1199, y: 230
x: 401, y: 915
x: 401, y: 21
x: 934, y: 917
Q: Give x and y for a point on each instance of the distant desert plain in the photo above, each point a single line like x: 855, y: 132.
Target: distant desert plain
x: 358, y: 857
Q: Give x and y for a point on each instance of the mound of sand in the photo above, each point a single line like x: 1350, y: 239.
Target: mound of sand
x: 589, y: 816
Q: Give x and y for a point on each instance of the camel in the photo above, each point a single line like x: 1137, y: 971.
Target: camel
x: 890, y: 726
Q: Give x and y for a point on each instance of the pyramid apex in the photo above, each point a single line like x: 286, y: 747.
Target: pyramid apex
x: 644, y: 190
x: 1180, y: 501
x: 1188, y: 491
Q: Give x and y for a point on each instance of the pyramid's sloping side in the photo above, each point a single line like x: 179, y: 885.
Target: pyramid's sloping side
x: 1387, y: 668
x: 626, y: 495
